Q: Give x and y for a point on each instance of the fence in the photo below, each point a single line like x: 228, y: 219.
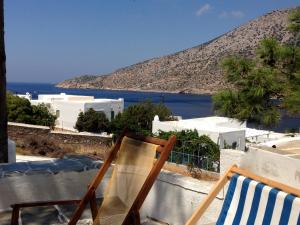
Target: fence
x: 199, y: 161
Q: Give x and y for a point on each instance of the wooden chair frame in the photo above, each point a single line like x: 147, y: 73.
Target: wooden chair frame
x: 133, y: 217
x: 222, y: 182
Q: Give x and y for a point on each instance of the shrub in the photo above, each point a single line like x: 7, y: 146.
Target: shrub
x: 18, y: 109
x: 194, y: 151
x: 138, y: 117
x: 42, y: 116
x: 92, y: 121
x: 21, y: 111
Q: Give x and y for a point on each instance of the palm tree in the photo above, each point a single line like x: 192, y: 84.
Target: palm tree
x: 3, y: 114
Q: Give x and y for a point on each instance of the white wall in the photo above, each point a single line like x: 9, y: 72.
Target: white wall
x: 234, y: 123
x: 274, y: 166
x: 172, y: 199
x: 112, y: 105
x: 233, y: 136
x: 157, y: 125
x: 68, y: 113
x: 43, y: 187
x: 228, y: 157
x: 214, y: 136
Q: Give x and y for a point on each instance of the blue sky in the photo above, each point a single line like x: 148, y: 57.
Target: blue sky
x: 52, y: 40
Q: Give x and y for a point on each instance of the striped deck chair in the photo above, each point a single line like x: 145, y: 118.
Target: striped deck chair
x: 252, y: 199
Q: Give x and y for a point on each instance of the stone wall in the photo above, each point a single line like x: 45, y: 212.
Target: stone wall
x: 17, y: 131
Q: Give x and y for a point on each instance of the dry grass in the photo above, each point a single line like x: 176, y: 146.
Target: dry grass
x: 50, y: 148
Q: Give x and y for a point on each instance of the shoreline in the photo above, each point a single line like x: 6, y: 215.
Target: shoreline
x: 205, y: 93
x: 139, y: 90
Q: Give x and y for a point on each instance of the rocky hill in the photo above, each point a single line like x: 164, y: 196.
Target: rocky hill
x: 194, y: 70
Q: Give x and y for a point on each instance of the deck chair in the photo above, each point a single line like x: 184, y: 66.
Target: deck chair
x: 135, y: 170
x: 252, y: 199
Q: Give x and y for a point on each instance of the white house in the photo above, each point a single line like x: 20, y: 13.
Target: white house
x: 67, y: 107
x: 27, y: 96
x: 226, y: 132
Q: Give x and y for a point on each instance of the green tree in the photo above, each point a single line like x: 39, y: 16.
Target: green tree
x: 294, y: 25
x: 139, y: 117
x: 21, y: 111
x: 292, y: 56
x: 92, y: 121
x: 42, y: 116
x: 189, y: 142
x: 264, y: 85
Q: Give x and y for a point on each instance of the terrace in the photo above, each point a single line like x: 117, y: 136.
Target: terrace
x: 172, y: 199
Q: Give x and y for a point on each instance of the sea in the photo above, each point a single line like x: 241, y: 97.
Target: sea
x: 185, y: 105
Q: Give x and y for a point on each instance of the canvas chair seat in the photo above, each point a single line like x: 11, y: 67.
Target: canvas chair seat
x: 133, y: 164
x: 253, y: 200
x: 114, y: 213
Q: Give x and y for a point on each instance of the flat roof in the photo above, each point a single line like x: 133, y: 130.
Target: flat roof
x: 255, y: 133
x: 63, y: 97
x: 97, y: 100
x: 288, y: 146
x: 211, y: 123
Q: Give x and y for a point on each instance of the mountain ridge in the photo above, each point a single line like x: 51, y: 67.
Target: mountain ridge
x: 192, y: 70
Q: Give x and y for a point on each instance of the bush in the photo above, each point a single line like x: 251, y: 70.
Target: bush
x: 197, y: 152
x: 18, y: 109
x: 42, y: 116
x: 21, y: 111
x: 92, y: 121
x: 138, y: 118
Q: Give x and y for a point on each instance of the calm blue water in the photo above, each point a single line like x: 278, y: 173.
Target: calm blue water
x: 185, y: 105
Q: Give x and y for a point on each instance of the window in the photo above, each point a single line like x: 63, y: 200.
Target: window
x: 57, y: 113
x: 112, y: 115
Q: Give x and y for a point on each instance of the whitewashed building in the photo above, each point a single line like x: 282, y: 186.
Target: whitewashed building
x: 226, y: 132
x: 67, y: 107
x: 27, y: 96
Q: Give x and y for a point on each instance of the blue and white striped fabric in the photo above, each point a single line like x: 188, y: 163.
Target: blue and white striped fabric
x: 249, y: 202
